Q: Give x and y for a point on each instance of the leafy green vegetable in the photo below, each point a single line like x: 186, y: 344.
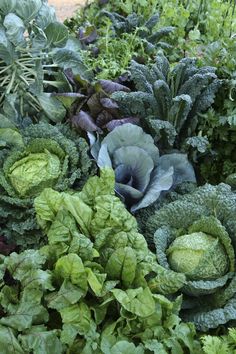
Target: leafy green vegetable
x: 111, y: 39
x: 220, y: 344
x: 80, y: 293
x: 31, y: 40
x: 41, y: 156
x: 169, y: 100
x: 141, y: 175
x: 195, y: 237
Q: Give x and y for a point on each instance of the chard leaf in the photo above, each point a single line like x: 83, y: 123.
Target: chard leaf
x: 137, y: 301
x: 47, y: 205
x: 77, y: 320
x: 70, y: 267
x: 24, y: 315
x: 68, y: 294
x: 98, y: 186
x: 122, y: 265
x: 8, y: 341
x: 46, y: 342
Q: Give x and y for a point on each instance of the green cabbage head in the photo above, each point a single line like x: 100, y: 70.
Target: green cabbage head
x: 195, y: 240
x: 40, y: 156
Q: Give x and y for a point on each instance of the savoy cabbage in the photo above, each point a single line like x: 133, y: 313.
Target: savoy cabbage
x: 36, y: 157
x: 195, y: 244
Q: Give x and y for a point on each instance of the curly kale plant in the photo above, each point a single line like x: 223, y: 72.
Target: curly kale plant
x: 34, y: 50
x: 85, y: 291
x: 169, y: 100
x: 39, y: 156
x: 195, y: 244
x: 141, y: 174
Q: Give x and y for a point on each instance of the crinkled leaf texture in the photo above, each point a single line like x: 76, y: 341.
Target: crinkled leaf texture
x: 39, y: 156
x: 169, y: 100
x: 141, y: 175
x: 178, y: 229
x: 87, y: 291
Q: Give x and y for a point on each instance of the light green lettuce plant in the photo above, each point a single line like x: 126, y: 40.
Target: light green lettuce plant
x: 86, y: 290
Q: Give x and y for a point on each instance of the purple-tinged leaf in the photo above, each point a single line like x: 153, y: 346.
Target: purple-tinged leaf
x: 6, y: 249
x: 70, y: 76
x: 103, y: 118
x: 87, y: 35
x: 85, y: 122
x: 68, y: 98
x: 109, y: 103
x: 94, y: 105
x: 117, y: 122
x: 110, y: 86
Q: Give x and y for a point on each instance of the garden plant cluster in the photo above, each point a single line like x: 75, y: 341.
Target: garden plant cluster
x: 118, y: 178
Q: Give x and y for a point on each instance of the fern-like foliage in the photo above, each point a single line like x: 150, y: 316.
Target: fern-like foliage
x: 169, y: 99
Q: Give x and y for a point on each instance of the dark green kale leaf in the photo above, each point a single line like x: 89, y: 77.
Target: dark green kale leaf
x: 169, y: 100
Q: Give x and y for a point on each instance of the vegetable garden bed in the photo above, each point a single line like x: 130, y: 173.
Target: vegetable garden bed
x: 118, y: 178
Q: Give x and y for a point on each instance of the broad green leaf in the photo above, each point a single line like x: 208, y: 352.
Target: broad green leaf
x: 57, y: 34
x: 137, y: 301
x: 8, y: 341
x: 23, y: 316
x: 70, y: 267
x: 7, y: 53
x: 9, y: 136
x: 68, y: 294
x: 98, y: 186
x: 122, y: 265
x: 15, y: 29
x: 76, y: 320
x: 46, y: 206
x: 95, y: 281
x: 7, y: 6
x: 46, y: 15
x: 80, y: 211
x: 123, y: 346
x: 62, y: 228
x: 28, y: 9
x: 53, y: 108
x: 45, y: 342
